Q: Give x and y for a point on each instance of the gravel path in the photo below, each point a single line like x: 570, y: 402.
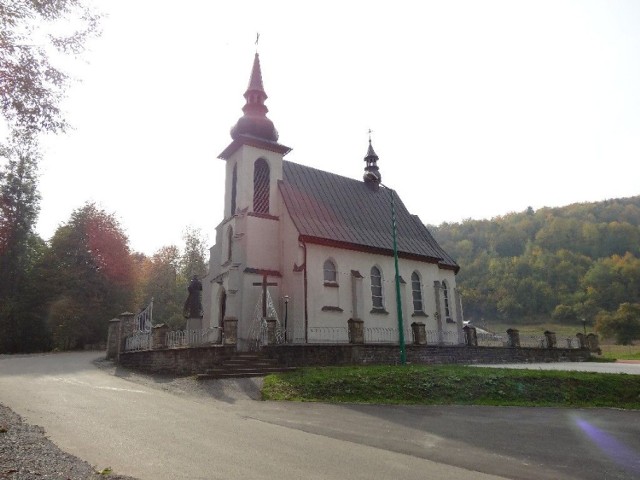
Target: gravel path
x: 27, y: 454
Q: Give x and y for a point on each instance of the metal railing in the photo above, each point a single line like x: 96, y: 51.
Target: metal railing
x: 533, y: 341
x: 444, y: 337
x: 192, y: 338
x: 569, y: 342
x: 381, y: 335
x: 328, y: 335
x: 492, y: 340
x: 138, y: 341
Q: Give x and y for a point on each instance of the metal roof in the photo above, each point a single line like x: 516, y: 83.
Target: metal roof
x: 331, y: 209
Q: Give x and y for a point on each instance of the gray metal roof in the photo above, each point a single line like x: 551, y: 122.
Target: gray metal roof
x: 328, y: 208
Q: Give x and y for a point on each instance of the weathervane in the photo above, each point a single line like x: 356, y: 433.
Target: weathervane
x: 257, y: 40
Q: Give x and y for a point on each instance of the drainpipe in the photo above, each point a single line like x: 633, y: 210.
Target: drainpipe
x: 306, y: 311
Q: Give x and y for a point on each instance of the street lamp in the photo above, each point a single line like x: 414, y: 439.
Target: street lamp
x: 584, y: 325
x: 394, y: 229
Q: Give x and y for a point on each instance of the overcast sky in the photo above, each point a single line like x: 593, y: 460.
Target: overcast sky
x: 478, y: 108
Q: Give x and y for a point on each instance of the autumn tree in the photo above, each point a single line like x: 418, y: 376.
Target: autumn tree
x: 167, y: 276
x: 623, y: 324
x: 32, y: 35
x: 90, y: 276
x: 193, y: 260
x: 163, y: 285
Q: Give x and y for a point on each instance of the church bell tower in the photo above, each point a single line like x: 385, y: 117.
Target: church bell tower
x: 248, y: 246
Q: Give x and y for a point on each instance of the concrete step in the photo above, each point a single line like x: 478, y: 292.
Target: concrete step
x: 239, y: 361
x: 244, y: 365
x: 241, y: 373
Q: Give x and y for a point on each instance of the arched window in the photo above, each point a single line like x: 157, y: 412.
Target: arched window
x: 230, y: 243
x: 416, y: 292
x: 261, y: 184
x: 445, y: 294
x: 330, y: 273
x: 376, y: 288
x: 234, y: 188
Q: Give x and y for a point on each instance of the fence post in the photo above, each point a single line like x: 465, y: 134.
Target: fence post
x: 159, y: 336
x: 551, y: 339
x: 356, y: 330
x: 593, y: 343
x: 419, y: 333
x: 113, y: 339
x: 514, y: 337
x: 126, y: 329
x: 470, y: 336
x: 230, y: 326
x: 271, y: 331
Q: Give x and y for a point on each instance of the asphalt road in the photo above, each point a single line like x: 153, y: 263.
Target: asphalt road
x: 149, y: 431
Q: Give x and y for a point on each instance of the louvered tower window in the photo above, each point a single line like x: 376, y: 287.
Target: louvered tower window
x: 230, y: 244
x: 261, y: 186
x: 234, y: 188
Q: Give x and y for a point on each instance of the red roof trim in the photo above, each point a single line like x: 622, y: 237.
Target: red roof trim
x: 378, y: 251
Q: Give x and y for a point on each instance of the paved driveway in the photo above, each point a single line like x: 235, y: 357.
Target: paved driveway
x: 149, y: 429
x: 631, y: 368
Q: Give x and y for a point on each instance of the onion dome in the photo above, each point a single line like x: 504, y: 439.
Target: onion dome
x: 254, y: 122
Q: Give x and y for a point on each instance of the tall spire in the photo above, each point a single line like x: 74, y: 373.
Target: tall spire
x: 254, y: 122
x: 255, y: 82
x: 372, y: 174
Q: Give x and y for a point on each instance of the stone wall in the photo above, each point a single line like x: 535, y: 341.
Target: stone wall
x: 189, y: 361
x: 319, y: 355
x: 177, y: 361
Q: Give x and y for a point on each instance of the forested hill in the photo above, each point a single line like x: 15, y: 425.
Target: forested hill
x: 564, y: 263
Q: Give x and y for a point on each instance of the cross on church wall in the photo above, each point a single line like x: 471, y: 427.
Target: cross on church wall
x: 264, y: 284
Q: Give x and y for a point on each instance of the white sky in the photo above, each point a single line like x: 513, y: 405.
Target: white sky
x: 478, y: 108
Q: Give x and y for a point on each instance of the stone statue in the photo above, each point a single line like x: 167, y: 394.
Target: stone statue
x: 193, y: 305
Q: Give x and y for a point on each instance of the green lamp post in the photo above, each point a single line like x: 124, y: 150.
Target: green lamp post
x: 403, y: 350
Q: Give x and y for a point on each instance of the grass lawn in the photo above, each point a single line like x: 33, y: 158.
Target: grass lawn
x: 442, y: 385
x: 621, y: 352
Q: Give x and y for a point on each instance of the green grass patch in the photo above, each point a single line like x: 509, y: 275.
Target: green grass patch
x: 442, y: 385
x: 621, y: 352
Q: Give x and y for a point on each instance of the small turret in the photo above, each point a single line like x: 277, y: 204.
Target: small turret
x: 372, y: 174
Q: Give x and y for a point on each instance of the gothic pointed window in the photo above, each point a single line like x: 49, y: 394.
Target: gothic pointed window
x: 445, y: 294
x: 376, y: 288
x: 416, y: 292
x: 261, y: 183
x: 330, y: 273
x: 234, y: 188
x: 230, y: 244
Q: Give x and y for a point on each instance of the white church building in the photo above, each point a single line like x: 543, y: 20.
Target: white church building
x: 322, y: 246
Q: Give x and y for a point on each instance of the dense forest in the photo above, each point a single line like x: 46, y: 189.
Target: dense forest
x: 563, y: 264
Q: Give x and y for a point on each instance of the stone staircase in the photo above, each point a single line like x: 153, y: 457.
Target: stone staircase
x: 251, y: 364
